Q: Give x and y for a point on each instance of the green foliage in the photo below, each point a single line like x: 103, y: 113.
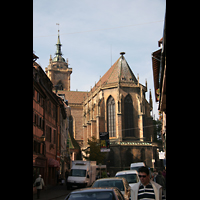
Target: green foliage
x: 93, y: 152
x: 103, y: 175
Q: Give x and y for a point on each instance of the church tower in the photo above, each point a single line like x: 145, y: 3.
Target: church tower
x: 58, y: 70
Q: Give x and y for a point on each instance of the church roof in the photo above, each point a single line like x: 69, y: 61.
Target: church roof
x: 76, y: 97
x: 58, y: 58
x: 119, y: 72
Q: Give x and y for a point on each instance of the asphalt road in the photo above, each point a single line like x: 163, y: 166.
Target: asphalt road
x: 55, y: 193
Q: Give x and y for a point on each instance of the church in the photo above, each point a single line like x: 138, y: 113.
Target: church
x: 116, y: 104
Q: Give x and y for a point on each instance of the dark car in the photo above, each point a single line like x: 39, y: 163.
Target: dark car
x: 111, y: 193
x: 120, y: 183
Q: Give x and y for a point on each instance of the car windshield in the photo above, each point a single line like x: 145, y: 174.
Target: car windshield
x: 135, y: 168
x: 131, y: 178
x: 78, y: 172
x: 107, y: 195
x: 110, y: 183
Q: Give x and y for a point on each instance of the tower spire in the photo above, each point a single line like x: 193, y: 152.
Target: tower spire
x: 58, y: 26
x: 58, y: 51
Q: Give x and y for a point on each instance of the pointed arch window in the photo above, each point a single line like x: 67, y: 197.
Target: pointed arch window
x: 128, y: 113
x: 111, y: 116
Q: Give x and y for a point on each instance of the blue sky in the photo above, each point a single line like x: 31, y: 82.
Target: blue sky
x: 94, y: 32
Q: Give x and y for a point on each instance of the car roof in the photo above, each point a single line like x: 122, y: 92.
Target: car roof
x: 127, y: 172
x: 111, y: 178
x: 96, y: 189
x: 137, y: 164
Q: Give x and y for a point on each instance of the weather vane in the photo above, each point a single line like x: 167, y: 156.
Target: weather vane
x: 58, y: 26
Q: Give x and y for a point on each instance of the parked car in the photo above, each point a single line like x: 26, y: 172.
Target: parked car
x: 136, y: 166
x: 112, y: 193
x: 120, y: 183
x: 130, y: 175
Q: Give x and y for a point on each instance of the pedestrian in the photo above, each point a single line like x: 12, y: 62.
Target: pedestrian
x: 58, y: 176
x: 146, y: 188
x: 66, y: 176
x: 154, y: 174
x: 108, y: 174
x: 39, y: 182
x: 160, y: 179
x: 164, y: 173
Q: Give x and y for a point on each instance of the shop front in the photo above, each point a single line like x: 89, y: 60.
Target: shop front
x: 52, y: 171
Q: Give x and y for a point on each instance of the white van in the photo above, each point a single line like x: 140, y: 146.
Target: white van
x: 136, y: 166
x: 82, y: 174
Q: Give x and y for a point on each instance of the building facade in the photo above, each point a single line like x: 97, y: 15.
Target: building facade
x: 48, y: 116
x: 116, y: 104
x: 39, y: 158
x: 159, y: 75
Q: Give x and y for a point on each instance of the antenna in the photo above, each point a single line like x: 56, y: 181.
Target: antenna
x: 58, y: 26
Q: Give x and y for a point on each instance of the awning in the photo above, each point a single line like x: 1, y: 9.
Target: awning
x: 53, y: 163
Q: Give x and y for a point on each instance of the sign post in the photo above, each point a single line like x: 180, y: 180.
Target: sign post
x: 161, y: 155
x: 104, y: 141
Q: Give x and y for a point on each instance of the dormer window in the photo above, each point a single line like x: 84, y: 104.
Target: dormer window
x: 123, y: 78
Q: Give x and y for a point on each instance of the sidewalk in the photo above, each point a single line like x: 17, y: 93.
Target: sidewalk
x: 53, y: 192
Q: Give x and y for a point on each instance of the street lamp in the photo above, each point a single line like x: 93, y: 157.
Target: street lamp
x: 43, y: 138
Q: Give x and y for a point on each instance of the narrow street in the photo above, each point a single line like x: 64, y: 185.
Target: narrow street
x: 58, y: 192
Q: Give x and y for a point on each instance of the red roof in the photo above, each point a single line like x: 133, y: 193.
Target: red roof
x: 74, y: 96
